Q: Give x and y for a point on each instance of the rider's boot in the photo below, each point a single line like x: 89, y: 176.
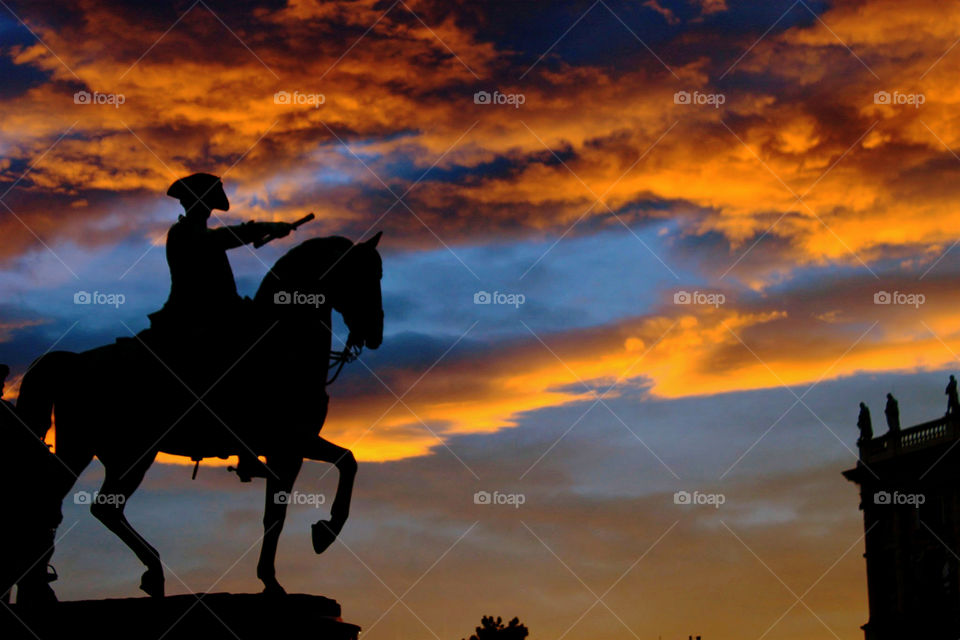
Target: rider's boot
x: 249, y: 467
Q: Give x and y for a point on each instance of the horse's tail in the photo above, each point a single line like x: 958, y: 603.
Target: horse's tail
x: 37, y: 519
x: 39, y: 389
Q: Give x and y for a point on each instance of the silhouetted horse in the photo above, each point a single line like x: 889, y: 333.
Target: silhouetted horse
x: 124, y: 403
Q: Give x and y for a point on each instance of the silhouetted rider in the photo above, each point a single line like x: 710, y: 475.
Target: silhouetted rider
x: 201, y: 280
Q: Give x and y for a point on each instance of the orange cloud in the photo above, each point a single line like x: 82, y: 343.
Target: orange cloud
x: 190, y: 106
x: 676, y: 352
x: 876, y: 181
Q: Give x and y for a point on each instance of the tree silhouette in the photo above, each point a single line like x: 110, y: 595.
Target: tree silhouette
x: 491, y: 629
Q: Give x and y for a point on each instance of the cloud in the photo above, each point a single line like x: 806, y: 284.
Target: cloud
x: 678, y: 351
x: 667, y: 14
x: 488, y: 171
x: 712, y: 6
x: 799, y: 199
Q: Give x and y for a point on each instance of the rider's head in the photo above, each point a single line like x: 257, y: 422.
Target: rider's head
x: 4, y: 372
x: 199, y: 194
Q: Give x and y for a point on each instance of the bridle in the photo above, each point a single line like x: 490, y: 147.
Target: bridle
x: 340, y: 358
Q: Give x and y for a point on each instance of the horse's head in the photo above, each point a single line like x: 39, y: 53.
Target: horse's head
x: 345, y: 275
x: 357, y: 295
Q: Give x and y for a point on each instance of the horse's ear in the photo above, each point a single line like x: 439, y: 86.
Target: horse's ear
x: 372, y: 242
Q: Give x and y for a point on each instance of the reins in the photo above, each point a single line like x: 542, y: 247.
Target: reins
x: 340, y: 358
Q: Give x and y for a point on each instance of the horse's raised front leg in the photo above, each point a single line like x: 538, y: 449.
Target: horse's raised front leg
x: 119, y: 483
x: 326, y: 531
x: 283, y: 472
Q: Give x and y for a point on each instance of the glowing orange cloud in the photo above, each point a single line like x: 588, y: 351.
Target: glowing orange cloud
x: 738, y: 170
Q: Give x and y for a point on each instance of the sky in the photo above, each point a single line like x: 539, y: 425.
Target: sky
x: 719, y: 224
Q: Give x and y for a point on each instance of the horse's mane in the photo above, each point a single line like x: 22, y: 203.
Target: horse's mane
x: 305, y: 262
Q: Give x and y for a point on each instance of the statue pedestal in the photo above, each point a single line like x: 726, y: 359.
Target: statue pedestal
x: 214, y: 616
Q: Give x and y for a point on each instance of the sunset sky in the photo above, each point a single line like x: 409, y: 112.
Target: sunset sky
x: 729, y: 223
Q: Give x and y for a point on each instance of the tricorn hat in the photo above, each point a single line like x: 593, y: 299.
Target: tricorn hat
x: 200, y: 187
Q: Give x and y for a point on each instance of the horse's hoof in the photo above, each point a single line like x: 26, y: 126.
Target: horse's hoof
x: 35, y: 595
x: 323, y: 535
x: 152, y: 582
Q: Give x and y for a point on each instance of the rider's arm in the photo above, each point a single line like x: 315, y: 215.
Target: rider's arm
x: 240, y: 234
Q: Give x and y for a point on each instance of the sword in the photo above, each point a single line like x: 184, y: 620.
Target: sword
x: 267, y: 238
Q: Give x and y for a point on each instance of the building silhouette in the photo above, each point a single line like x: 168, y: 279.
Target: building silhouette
x: 909, y: 483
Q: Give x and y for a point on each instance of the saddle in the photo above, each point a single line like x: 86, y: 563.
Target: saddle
x: 202, y: 350
x: 206, y: 371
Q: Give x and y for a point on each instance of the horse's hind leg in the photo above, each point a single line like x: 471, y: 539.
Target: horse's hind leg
x: 118, y: 485
x: 283, y: 473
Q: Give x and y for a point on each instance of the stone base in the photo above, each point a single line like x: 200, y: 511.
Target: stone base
x: 214, y: 616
